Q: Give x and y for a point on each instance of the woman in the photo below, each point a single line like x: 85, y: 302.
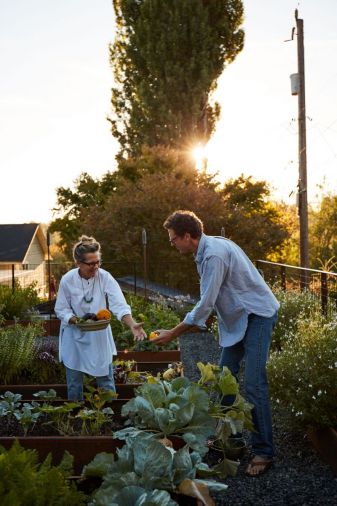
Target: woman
x: 87, y: 289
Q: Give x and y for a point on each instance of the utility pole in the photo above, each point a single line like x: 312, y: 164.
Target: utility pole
x: 302, y: 155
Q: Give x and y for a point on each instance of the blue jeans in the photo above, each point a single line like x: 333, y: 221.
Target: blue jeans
x: 254, y: 349
x: 75, y: 383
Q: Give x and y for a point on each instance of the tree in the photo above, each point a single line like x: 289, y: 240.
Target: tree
x: 72, y: 204
x: 252, y: 219
x: 242, y: 206
x: 166, y: 59
x: 323, y: 234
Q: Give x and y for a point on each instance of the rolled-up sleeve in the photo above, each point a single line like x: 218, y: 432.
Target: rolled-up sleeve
x: 213, y: 273
x: 117, y: 303
x: 63, y: 308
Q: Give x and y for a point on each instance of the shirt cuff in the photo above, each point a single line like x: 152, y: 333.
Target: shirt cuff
x: 67, y: 317
x: 189, y: 320
x: 121, y: 314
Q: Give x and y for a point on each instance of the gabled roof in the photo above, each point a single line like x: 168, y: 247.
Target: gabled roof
x: 16, y: 239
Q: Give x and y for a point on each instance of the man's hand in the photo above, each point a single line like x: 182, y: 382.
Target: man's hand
x: 138, y: 332
x: 164, y: 337
x: 72, y: 320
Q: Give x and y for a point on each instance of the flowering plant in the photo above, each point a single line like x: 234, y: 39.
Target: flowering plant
x: 303, y: 376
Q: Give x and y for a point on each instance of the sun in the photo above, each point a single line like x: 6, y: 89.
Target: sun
x: 199, y: 154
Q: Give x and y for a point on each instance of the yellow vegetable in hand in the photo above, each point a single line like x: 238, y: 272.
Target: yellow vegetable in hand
x: 153, y: 335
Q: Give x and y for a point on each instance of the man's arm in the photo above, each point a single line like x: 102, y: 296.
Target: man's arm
x: 211, y: 281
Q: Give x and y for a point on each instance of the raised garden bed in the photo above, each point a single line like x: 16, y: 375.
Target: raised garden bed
x: 51, y: 326
x: 83, y: 448
x: 125, y: 391
x: 149, y: 356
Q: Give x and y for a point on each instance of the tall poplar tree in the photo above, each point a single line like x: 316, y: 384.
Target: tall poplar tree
x: 166, y: 59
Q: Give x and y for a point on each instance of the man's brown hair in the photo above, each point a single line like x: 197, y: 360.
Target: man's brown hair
x: 183, y: 222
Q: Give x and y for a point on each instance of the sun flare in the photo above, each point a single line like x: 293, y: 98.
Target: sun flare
x: 199, y: 153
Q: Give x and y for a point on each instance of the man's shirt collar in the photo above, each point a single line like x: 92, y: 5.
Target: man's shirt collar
x: 201, y: 248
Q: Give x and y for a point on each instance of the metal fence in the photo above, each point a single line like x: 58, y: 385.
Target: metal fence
x: 321, y: 284
x: 167, y: 278
x: 172, y: 278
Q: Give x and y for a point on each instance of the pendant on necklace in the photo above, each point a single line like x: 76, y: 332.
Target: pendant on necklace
x: 88, y: 300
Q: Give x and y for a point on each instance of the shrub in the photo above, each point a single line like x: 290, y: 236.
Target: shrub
x: 155, y: 314
x: 17, y: 303
x: 294, y: 305
x: 27, y: 483
x: 303, y: 377
x: 17, y: 345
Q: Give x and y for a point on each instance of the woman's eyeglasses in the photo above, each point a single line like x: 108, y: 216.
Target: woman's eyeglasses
x: 92, y: 264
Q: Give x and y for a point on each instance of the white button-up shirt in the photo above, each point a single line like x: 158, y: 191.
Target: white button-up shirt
x: 89, y: 352
x: 231, y: 284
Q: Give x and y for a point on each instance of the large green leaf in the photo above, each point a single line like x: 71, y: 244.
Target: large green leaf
x: 180, y: 383
x: 99, y: 466
x: 152, y: 458
x: 197, y: 396
x: 183, y: 465
x: 228, y: 383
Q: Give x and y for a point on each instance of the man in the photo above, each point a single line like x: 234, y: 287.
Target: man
x: 246, y: 310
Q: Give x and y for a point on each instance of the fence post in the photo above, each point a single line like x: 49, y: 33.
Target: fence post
x: 324, y: 292
x: 283, y: 278
x: 13, y: 279
x: 144, y: 241
x: 135, y: 278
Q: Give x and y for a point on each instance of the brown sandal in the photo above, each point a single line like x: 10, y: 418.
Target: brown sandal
x: 264, y: 464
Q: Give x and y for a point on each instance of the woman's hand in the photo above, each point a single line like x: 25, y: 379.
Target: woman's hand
x: 138, y: 332
x: 72, y: 320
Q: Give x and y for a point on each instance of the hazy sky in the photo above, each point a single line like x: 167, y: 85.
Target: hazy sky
x: 55, y: 96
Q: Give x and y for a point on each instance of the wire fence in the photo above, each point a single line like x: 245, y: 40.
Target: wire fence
x: 172, y: 278
x: 321, y: 284
x: 167, y: 278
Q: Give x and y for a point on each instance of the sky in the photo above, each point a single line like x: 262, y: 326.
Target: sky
x: 55, y: 91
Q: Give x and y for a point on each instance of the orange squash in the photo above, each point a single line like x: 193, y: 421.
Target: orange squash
x: 103, y: 314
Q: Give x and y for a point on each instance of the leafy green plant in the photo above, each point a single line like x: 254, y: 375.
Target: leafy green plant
x: 155, y: 314
x: 145, y: 469
x: 97, y: 414
x: 231, y: 418
x: 61, y: 417
x: 17, y: 303
x: 17, y: 349
x: 45, y: 395
x: 27, y: 417
x: 25, y: 482
x: 303, y: 376
x: 94, y: 419
x: 178, y: 408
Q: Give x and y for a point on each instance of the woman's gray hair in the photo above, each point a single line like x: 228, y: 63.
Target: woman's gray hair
x: 85, y: 245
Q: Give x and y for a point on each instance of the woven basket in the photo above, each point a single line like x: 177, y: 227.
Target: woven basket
x: 92, y: 326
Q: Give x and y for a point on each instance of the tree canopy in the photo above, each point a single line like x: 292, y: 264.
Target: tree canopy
x: 166, y: 59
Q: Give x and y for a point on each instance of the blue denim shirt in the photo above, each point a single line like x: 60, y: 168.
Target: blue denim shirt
x: 230, y: 284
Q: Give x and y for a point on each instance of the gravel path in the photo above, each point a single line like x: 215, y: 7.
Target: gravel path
x: 298, y: 477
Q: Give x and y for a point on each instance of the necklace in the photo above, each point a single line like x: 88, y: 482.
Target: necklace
x: 86, y: 297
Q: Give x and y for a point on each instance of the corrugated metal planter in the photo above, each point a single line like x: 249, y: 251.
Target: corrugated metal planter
x: 325, y: 442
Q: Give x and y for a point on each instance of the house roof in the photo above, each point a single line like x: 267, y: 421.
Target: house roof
x: 16, y: 239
